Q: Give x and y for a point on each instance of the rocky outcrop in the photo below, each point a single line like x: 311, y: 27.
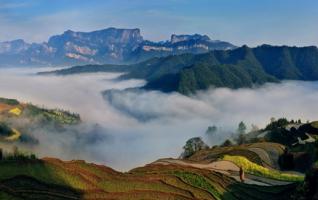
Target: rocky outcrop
x: 103, y: 46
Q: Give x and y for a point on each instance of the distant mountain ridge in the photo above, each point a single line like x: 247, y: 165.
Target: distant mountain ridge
x: 237, y: 68
x: 109, y: 45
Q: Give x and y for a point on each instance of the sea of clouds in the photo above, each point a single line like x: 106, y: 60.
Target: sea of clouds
x: 124, y: 128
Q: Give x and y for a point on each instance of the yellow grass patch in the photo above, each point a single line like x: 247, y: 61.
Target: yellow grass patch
x: 15, y: 111
x: 256, y: 169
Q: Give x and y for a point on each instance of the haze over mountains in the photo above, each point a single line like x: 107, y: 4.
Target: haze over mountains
x: 103, y: 46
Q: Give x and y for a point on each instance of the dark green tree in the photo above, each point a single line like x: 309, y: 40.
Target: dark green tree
x: 241, y: 128
x: 241, y: 139
x: 211, y: 130
x: 277, y: 124
x: 193, y: 145
x: 227, y: 143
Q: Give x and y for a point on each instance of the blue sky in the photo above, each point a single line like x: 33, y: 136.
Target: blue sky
x: 252, y: 22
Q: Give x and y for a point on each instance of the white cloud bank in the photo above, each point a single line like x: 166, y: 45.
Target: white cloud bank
x: 138, y: 127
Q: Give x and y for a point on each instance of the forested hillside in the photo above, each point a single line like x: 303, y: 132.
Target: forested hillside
x: 241, y: 67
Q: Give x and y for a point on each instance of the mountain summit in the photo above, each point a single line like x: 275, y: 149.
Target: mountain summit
x: 181, y: 38
x: 109, y: 45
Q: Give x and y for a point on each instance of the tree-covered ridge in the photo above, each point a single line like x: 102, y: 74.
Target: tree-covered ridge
x: 242, y: 67
x: 237, y: 68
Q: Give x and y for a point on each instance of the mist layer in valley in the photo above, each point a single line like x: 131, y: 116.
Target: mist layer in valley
x: 124, y: 128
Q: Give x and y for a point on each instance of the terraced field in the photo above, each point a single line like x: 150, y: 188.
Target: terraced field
x: 265, y: 154
x: 54, y: 179
x: 268, y: 152
x: 261, y: 171
x: 5, y: 107
x: 13, y: 108
x: 230, y: 165
x: 22, y: 118
x: 208, y: 174
x: 314, y: 124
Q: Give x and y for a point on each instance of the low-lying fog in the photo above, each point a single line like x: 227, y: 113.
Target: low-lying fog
x: 139, y: 127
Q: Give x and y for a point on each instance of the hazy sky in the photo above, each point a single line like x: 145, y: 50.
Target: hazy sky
x: 252, y: 22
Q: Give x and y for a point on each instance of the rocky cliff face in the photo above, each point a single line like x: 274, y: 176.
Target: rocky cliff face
x: 179, y: 44
x: 109, y: 45
x: 104, y: 46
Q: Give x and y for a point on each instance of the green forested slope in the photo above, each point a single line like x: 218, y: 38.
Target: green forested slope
x: 241, y: 67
